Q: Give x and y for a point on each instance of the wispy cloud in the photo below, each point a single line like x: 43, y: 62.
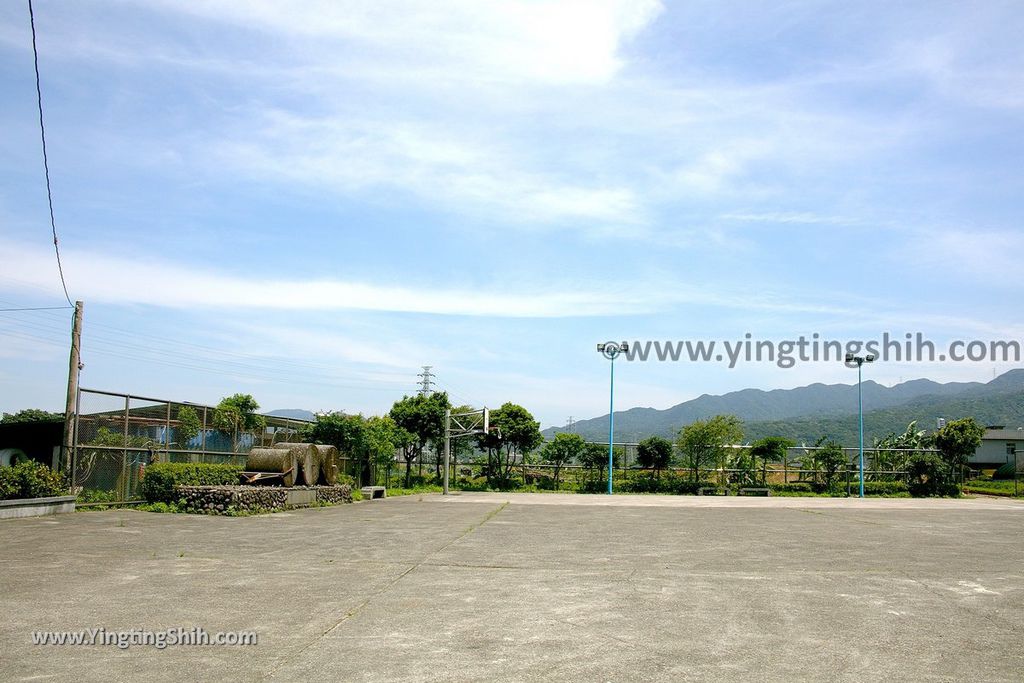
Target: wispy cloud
x: 123, y: 280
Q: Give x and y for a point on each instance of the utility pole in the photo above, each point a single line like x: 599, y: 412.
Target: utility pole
x: 426, y: 381
x: 71, y: 407
x: 571, y: 428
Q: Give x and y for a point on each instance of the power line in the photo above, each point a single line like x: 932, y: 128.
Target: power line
x: 46, y: 163
x: 41, y: 308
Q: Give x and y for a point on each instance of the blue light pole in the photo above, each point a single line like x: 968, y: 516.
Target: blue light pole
x: 611, y: 351
x: 860, y: 360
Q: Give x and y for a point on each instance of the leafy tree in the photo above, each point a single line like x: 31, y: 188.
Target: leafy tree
x: 514, y: 433
x: 423, y: 418
x: 338, y: 429
x: 769, y: 449
x: 831, y: 458
x: 894, y: 452
x: 705, y: 443
x: 189, y: 425
x: 654, y: 453
x: 594, y: 456
x: 30, y: 415
x: 957, y: 441
x: 741, y: 465
x: 237, y: 413
x: 562, y: 450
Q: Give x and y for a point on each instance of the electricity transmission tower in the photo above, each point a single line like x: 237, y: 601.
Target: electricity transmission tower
x: 426, y: 381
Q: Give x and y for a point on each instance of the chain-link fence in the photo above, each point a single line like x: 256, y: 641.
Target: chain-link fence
x: 117, y: 435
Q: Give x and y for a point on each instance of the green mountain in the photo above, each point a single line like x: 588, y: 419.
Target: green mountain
x: 806, y: 413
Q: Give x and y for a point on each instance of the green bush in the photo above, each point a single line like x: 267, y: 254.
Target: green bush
x: 161, y: 478
x: 686, y: 487
x: 97, y: 496
x: 30, y: 479
x: 885, y: 488
x: 795, y: 487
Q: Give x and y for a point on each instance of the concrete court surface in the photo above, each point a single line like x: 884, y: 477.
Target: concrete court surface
x: 530, y: 587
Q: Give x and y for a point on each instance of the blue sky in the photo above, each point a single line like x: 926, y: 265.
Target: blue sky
x: 309, y: 201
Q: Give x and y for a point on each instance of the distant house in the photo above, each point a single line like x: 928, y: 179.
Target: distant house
x: 999, y: 446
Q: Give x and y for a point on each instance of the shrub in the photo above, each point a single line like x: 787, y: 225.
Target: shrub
x: 97, y: 496
x: 691, y: 488
x: 161, y: 478
x: 30, y: 479
x: 885, y: 488
x: 643, y: 482
x: 795, y: 487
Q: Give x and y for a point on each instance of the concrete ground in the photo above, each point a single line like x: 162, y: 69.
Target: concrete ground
x: 530, y: 587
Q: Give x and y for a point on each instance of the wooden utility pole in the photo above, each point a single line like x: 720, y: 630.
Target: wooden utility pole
x: 70, y: 407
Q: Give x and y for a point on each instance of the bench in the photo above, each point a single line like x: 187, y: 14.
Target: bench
x: 754, y: 491
x: 371, y: 492
x: 712, y: 491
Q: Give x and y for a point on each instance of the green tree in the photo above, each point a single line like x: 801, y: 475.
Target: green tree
x: 562, y: 450
x: 894, y: 451
x: 831, y: 458
x: 31, y: 415
x: 956, y: 442
x: 237, y: 413
x: 705, y: 443
x: 769, y: 449
x: 654, y: 453
x: 344, y: 432
x: 514, y: 433
x: 188, y: 426
x: 423, y: 418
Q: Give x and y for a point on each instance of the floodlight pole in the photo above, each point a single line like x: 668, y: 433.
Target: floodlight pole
x: 860, y: 421
x: 611, y: 351
x: 860, y: 360
x: 611, y: 425
x: 447, y: 445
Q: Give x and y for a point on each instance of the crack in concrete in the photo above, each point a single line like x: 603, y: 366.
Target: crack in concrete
x: 391, y: 584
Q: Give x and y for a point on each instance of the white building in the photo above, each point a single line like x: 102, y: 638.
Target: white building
x: 999, y: 446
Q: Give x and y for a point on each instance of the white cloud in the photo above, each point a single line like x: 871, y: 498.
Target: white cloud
x: 122, y: 280
x: 515, y: 40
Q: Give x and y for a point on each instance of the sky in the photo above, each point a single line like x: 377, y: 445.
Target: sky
x: 310, y: 201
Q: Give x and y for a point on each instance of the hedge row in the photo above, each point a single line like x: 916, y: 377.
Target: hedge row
x: 160, y: 479
x: 227, y: 499
x: 30, y: 479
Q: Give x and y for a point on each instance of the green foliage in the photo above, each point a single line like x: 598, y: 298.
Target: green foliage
x: 831, y: 459
x: 30, y: 415
x: 161, y: 478
x: 189, y: 425
x: 885, y: 488
x: 109, y: 437
x: 654, y: 453
x: 793, y: 488
x: 927, y: 473
x: 770, y: 449
x: 514, y: 433
x: 97, y: 496
x: 560, y: 451
x: 705, y: 443
x: 30, y: 479
x: 421, y: 418
x: 957, y: 441
x: 238, y: 413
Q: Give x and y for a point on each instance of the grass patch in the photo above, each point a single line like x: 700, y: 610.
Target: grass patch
x: 994, y: 487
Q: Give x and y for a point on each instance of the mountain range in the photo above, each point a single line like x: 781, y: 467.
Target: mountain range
x: 807, y: 413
